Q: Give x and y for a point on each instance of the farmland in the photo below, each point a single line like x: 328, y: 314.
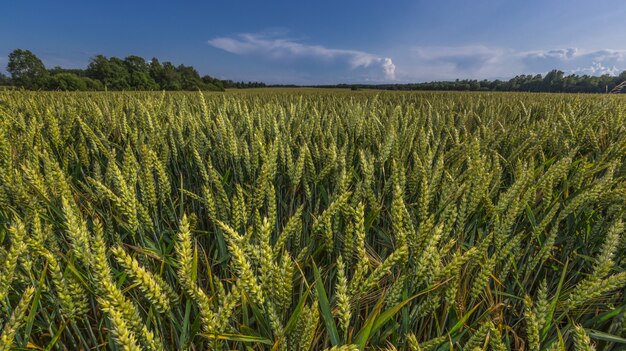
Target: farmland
x: 312, y: 219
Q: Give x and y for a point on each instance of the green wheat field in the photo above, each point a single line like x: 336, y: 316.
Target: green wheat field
x: 312, y: 219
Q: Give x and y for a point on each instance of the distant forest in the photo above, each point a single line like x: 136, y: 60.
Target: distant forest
x: 27, y: 71
x: 554, y: 81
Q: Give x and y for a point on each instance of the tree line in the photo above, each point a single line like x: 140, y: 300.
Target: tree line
x: 27, y: 71
x: 554, y: 81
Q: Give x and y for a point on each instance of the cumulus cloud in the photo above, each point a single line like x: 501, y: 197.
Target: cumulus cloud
x: 558, y: 54
x: 421, y: 63
x: 389, y: 68
x: 573, y: 60
x: 483, y: 62
x: 277, y: 48
x: 598, y: 69
x: 450, y: 62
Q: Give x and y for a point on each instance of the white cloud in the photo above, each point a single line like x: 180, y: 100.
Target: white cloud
x: 425, y: 63
x: 559, y: 54
x: 451, y: 62
x: 277, y: 48
x: 598, y: 69
x: 389, y: 68
x: 574, y: 60
x: 572, y: 54
x: 483, y: 62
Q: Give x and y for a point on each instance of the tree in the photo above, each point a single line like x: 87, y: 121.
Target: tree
x: 4, y: 80
x: 93, y: 84
x: 111, y: 72
x: 213, y: 84
x: 189, y: 77
x: 553, y: 81
x: 139, y: 74
x: 166, y: 75
x: 156, y: 70
x: 27, y: 70
x: 77, y: 71
x: 66, y: 82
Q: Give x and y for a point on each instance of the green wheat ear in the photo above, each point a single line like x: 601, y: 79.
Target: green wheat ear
x: 156, y: 290
x: 532, y: 324
x: 186, y: 275
x: 7, y: 272
x: 343, y: 299
x: 582, y: 341
x: 12, y: 325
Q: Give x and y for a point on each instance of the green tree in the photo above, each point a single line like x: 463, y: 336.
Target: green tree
x: 553, y: 81
x: 111, y: 72
x: 165, y: 75
x: 4, y: 80
x: 213, y: 83
x: 190, y: 79
x: 93, y: 84
x: 66, y: 82
x: 77, y: 71
x: 168, y: 77
x: 27, y: 70
x: 139, y: 74
x: 156, y: 70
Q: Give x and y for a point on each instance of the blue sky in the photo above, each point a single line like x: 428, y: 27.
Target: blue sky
x: 320, y: 42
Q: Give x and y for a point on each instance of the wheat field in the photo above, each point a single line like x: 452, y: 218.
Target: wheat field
x: 312, y: 220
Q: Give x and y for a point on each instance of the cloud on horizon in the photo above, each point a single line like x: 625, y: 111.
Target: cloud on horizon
x: 483, y: 62
x: 430, y: 62
x: 279, y: 48
x: 574, y: 60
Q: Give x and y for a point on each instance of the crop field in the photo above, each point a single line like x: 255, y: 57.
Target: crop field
x: 312, y: 220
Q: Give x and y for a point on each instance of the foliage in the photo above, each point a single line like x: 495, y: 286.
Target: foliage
x: 4, y: 80
x: 102, y: 73
x: 66, y: 82
x: 27, y: 70
x: 312, y: 220
x: 554, y: 81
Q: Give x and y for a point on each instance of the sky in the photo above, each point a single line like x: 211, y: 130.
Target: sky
x: 328, y: 42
